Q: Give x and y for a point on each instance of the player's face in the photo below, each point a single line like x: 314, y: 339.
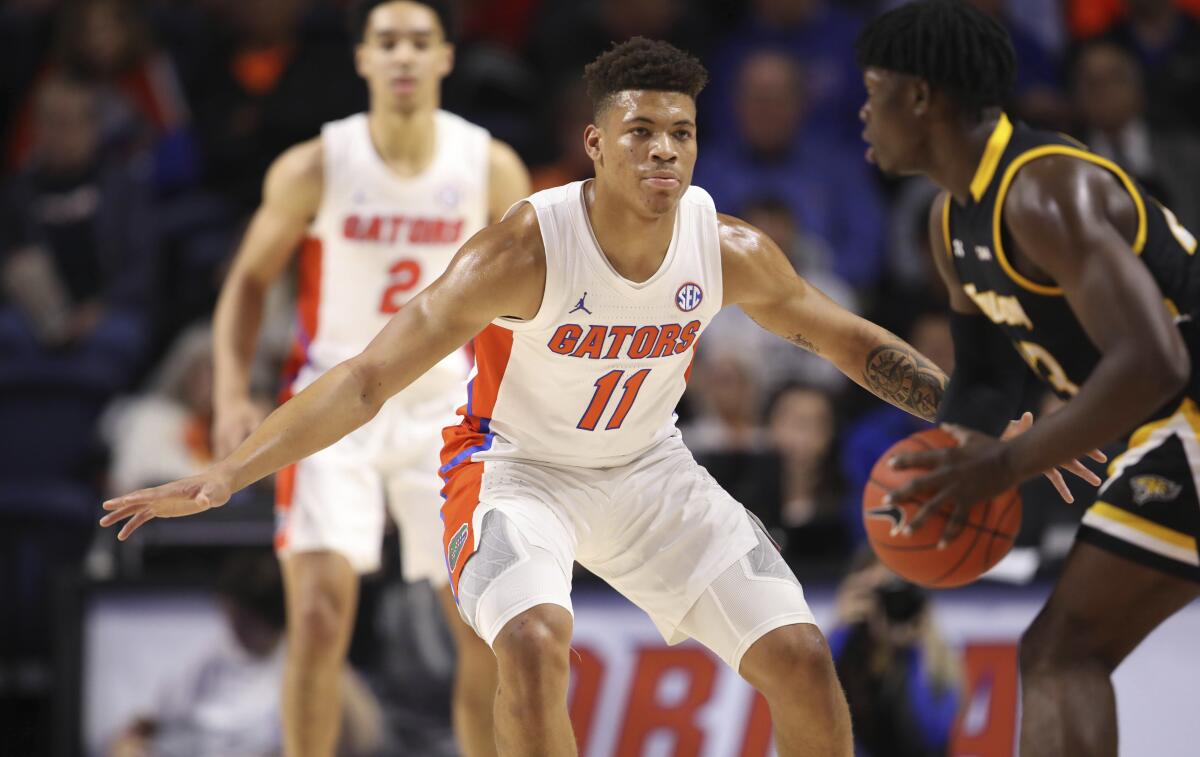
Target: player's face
x: 644, y: 147
x: 891, y: 115
x: 404, y: 56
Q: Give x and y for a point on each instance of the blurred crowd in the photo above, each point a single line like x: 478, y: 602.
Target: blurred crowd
x: 135, y: 138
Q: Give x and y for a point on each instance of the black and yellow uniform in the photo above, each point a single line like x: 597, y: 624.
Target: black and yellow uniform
x: 1148, y: 509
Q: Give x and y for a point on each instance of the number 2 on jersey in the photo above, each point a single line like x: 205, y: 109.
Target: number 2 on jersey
x: 405, y: 275
x: 605, y: 386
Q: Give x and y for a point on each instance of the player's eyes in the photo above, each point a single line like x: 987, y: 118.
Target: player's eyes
x: 683, y: 134
x: 639, y: 131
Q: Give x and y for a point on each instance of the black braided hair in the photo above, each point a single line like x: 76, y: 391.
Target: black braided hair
x: 948, y: 43
x: 642, y: 63
x: 360, y: 11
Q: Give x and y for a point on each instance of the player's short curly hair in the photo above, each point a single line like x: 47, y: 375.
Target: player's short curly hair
x: 642, y: 63
x: 360, y: 11
x: 948, y: 43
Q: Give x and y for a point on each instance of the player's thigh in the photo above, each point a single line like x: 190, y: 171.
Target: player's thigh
x: 751, y: 598
x: 509, y: 573
x: 1102, y: 607
x: 332, y: 501
x: 415, y: 502
x: 509, y: 544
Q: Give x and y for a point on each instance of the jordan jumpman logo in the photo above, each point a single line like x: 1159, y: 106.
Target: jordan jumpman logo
x: 580, y: 306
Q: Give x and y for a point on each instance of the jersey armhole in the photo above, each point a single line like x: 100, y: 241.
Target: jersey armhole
x: 545, y: 309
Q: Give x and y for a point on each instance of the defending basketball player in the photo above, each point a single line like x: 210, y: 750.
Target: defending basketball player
x: 1058, y: 252
x: 382, y: 201
x: 585, y: 304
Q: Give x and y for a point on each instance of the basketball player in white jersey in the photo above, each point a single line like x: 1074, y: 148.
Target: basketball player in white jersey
x: 382, y: 201
x: 586, y: 302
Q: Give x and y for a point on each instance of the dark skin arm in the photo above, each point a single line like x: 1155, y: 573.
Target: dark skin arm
x: 1073, y: 223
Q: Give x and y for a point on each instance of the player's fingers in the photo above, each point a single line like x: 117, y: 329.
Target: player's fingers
x: 929, y: 458
x: 919, y: 485
x: 1081, y: 470
x: 954, y: 525
x: 139, y: 497
x: 926, y: 510
x: 119, y: 515
x: 1060, y: 485
x: 960, y: 433
x: 1098, y: 456
x: 134, y: 524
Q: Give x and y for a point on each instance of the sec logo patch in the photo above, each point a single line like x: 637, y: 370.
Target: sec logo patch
x: 689, y: 296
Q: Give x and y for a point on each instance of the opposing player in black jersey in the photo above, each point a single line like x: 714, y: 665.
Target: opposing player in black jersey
x: 1095, y: 284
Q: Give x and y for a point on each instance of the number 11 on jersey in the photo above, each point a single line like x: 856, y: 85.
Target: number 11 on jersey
x: 605, y: 386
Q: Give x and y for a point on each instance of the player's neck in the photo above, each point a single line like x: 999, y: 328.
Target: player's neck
x: 634, y: 243
x: 404, y: 141
x: 955, y: 155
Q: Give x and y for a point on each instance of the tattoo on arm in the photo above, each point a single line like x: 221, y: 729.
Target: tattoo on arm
x: 804, y: 343
x: 899, y: 374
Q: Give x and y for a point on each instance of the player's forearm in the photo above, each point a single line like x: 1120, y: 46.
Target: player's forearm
x: 335, y: 404
x: 893, y: 370
x: 1122, y: 391
x: 236, y: 326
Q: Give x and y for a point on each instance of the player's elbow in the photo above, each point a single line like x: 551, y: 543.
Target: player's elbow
x: 367, y: 385
x: 1167, y: 367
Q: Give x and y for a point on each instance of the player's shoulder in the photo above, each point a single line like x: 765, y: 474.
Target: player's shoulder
x: 1059, y: 186
x: 740, y: 238
x: 301, y: 164
x: 698, y: 196
x: 514, y: 242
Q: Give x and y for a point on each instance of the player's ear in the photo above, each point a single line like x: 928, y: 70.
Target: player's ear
x: 591, y: 142
x: 360, y: 60
x: 921, y: 94
x: 447, y: 60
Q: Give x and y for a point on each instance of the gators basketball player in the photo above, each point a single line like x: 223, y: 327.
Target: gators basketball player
x: 382, y: 200
x: 1057, y: 251
x: 585, y: 303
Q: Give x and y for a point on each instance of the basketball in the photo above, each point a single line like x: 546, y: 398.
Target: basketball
x: 985, y: 538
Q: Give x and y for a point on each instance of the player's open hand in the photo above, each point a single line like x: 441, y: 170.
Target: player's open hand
x: 184, y: 497
x: 1076, y: 467
x: 972, y: 473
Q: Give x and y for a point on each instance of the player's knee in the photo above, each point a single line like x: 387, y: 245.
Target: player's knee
x: 788, y: 660
x: 318, y: 619
x: 532, y: 648
x: 1056, y: 639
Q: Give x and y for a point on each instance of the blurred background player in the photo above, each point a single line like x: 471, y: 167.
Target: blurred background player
x: 376, y: 208
x: 1093, y: 282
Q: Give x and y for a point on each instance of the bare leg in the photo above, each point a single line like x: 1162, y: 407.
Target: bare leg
x: 1101, y: 609
x: 531, y: 705
x: 322, y: 595
x: 475, y: 681
x: 792, y: 667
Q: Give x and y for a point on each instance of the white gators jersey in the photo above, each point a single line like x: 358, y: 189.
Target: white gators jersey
x: 593, y: 379
x: 379, y: 239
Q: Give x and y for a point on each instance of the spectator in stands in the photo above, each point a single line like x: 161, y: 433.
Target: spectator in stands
x: 820, y: 34
x: 76, y: 253
x: 569, y: 115
x: 902, y: 681
x: 1166, y: 41
x: 141, y: 107
x: 269, y: 81
x: 802, y: 429
x: 725, y: 391
x: 826, y: 185
x: 228, y: 703
x: 1039, y: 95
x: 1109, y: 96
x: 776, y: 360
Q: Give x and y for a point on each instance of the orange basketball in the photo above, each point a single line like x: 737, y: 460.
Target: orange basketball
x: 986, y: 537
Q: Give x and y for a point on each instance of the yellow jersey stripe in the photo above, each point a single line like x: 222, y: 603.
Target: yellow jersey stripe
x: 991, y: 157
x: 1138, y: 523
x: 1139, y: 241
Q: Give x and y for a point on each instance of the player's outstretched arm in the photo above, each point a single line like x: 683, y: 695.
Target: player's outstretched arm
x: 758, y: 276
x: 291, y: 195
x: 498, y: 272
x: 1074, y: 221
